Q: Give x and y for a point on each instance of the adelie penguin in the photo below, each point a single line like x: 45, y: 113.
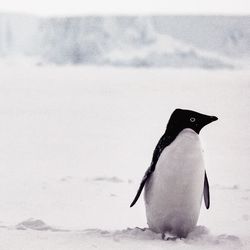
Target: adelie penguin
x: 176, y: 179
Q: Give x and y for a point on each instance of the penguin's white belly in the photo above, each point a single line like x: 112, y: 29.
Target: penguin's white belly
x: 174, y: 192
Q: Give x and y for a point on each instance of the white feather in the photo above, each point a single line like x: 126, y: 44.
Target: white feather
x: 173, y: 193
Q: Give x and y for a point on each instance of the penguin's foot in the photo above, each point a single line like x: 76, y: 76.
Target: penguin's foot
x: 174, y: 238
x: 163, y: 236
x: 167, y: 236
x: 142, y: 229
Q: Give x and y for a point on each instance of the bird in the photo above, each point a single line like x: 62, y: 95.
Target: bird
x: 176, y: 179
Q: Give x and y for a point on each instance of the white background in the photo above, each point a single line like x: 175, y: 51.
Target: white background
x: 76, y: 7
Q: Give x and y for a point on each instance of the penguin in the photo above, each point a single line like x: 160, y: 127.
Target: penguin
x: 176, y: 179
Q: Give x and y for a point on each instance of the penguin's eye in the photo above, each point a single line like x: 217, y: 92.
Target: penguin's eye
x: 192, y: 119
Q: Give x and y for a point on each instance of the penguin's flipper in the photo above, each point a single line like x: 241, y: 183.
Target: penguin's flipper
x: 163, y: 142
x: 144, y: 179
x: 206, y: 192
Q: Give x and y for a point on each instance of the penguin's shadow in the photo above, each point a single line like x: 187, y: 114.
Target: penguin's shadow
x: 202, y: 235
x: 199, y: 236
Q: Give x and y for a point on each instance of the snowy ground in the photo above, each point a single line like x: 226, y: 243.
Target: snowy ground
x: 75, y: 142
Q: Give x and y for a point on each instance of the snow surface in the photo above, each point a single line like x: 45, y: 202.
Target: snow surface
x: 144, y: 41
x: 75, y: 142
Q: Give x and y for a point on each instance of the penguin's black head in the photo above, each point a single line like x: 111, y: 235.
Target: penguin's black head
x: 181, y: 119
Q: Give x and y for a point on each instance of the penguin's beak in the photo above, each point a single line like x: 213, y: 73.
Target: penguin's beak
x: 208, y: 119
x: 213, y: 118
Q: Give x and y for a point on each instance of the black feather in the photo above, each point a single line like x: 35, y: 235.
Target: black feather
x: 163, y: 142
x: 206, y: 192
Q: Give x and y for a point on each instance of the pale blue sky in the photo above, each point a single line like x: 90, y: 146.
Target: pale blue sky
x: 75, y: 7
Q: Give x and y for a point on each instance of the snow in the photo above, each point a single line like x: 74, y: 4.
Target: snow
x: 75, y: 142
x: 144, y: 41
